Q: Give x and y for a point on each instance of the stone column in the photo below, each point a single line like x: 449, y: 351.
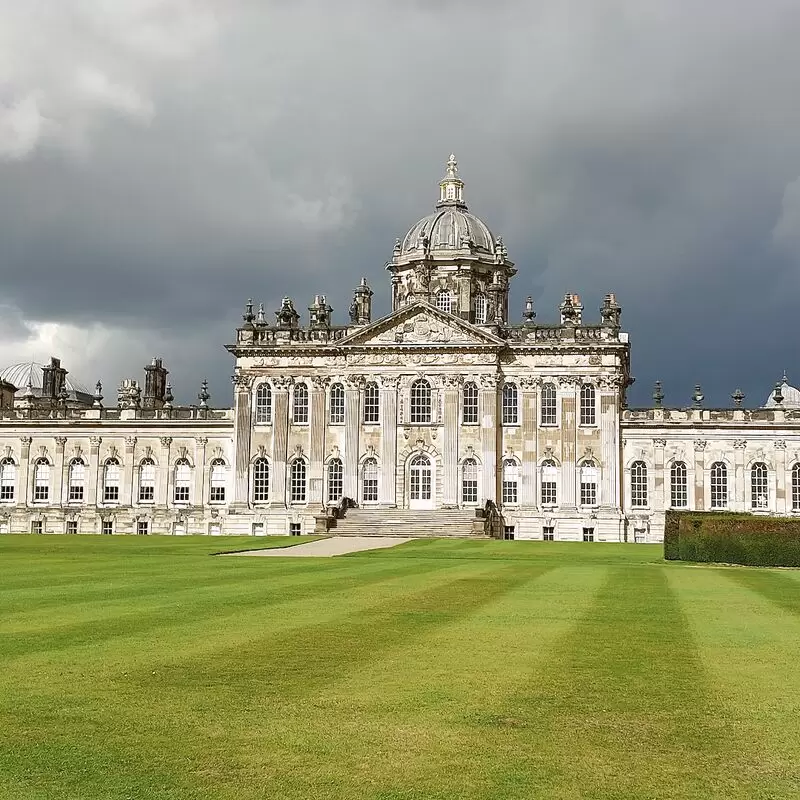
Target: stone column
x: 93, y: 477
x: 128, y: 471
x: 24, y: 496
x: 699, y: 475
x: 530, y: 424
x: 242, y: 438
x: 280, y: 441
x: 739, y: 495
x: 201, y: 470
x: 163, y: 498
x: 316, y: 455
x: 567, y: 392
x: 609, y: 448
x: 59, y: 472
x: 452, y: 387
x: 783, y: 504
x: 659, y: 501
x: 352, y: 427
x: 388, y: 418
x: 490, y: 433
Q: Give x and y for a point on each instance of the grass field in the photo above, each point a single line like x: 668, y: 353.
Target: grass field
x: 142, y: 667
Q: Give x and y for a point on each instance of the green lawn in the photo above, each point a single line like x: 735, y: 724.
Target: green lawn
x: 144, y: 667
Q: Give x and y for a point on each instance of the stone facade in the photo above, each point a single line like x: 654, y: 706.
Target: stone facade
x: 443, y: 404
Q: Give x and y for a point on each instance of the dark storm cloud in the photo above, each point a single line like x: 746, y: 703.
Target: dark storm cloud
x: 161, y: 162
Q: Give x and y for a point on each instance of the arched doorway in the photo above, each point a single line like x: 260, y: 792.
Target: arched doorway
x: 420, y: 482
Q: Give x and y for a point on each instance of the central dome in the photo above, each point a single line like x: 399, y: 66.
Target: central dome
x: 451, y: 226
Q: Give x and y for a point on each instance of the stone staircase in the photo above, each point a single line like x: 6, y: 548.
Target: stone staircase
x: 449, y: 523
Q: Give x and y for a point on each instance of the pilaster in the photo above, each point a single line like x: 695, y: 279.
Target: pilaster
x: 388, y: 418
x: 699, y: 474
x: 487, y: 397
x: 739, y: 496
x: 201, y: 476
x: 352, y: 425
x: 24, y: 496
x: 609, y: 445
x: 451, y: 386
x: 530, y: 424
x: 782, y: 504
x: 280, y: 441
x: 659, y: 502
x: 58, y: 471
x: 242, y: 437
x: 567, y: 393
x: 316, y: 453
x: 93, y: 478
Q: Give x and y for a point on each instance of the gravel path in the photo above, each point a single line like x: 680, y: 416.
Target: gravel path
x: 324, y: 548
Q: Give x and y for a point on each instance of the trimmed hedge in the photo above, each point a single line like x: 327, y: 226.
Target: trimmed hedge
x: 732, y: 538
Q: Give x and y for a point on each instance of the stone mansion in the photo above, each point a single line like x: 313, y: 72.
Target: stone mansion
x: 444, y: 413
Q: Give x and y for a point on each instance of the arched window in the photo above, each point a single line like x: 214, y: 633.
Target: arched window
x: 300, y: 404
x: 759, y: 486
x: 678, y: 485
x: 337, y: 404
x: 183, y: 480
x: 41, y: 481
x: 469, y: 482
x: 420, y: 401
x: 510, y: 487
x: 297, y: 481
x: 444, y: 301
x: 369, y: 481
x: 719, y: 485
x: 549, y: 482
x: 147, y: 481
x: 548, y: 405
x: 589, y: 477
x: 335, y: 480
x: 588, y: 405
x: 469, y: 408
x: 260, y: 480
x: 111, y: 481
x: 639, y: 484
x: 510, y: 404
x: 264, y: 404
x: 796, y: 487
x: 218, y: 480
x: 76, y: 480
x: 372, y: 405
x: 8, y: 479
x: 480, y: 309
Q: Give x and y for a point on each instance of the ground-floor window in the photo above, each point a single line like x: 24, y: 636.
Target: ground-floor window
x: 588, y: 534
x: 5, y: 528
x: 548, y: 533
x: 108, y: 527
x: 36, y: 526
x: 508, y: 531
x: 257, y: 529
x: 639, y: 535
x: 72, y: 526
x: 142, y: 527
x: 295, y: 528
x: 214, y: 529
x: 179, y: 529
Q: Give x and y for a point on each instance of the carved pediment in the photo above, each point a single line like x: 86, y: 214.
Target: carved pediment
x: 421, y: 324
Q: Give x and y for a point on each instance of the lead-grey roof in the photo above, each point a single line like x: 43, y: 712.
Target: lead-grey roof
x: 30, y: 372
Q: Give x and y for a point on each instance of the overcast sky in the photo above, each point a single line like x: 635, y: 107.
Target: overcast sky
x: 163, y: 160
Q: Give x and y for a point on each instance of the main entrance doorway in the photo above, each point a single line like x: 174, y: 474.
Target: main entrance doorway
x: 421, y: 483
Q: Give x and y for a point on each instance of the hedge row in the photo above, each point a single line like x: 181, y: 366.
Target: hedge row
x: 732, y: 539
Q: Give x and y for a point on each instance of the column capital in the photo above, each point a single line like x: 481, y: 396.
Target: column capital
x: 488, y: 382
x: 319, y: 383
x: 130, y: 442
x: 60, y: 442
x: 166, y: 441
x: 95, y: 442
x: 242, y: 382
x: 282, y: 383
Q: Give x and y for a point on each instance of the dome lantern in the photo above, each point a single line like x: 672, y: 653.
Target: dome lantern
x: 451, y: 187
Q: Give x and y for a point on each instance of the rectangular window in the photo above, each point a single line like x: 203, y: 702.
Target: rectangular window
x: 371, y: 404
x: 6, y: 491
x: 588, y: 534
x: 142, y: 527
x: 337, y: 404
x: 548, y: 533
x: 5, y: 528
x: 36, y: 526
x: 370, y: 490
x: 549, y: 495
x: 547, y: 415
x: 295, y: 528
x: 111, y: 494
x: 72, y: 526
x: 214, y: 529
x: 508, y: 531
x: 639, y: 535
x: 469, y: 411
x: 588, y: 494
x: 179, y: 529
x: 108, y: 527
x: 509, y: 492
x: 258, y: 529
x: 588, y: 414
x: 76, y: 493
x: 217, y: 494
